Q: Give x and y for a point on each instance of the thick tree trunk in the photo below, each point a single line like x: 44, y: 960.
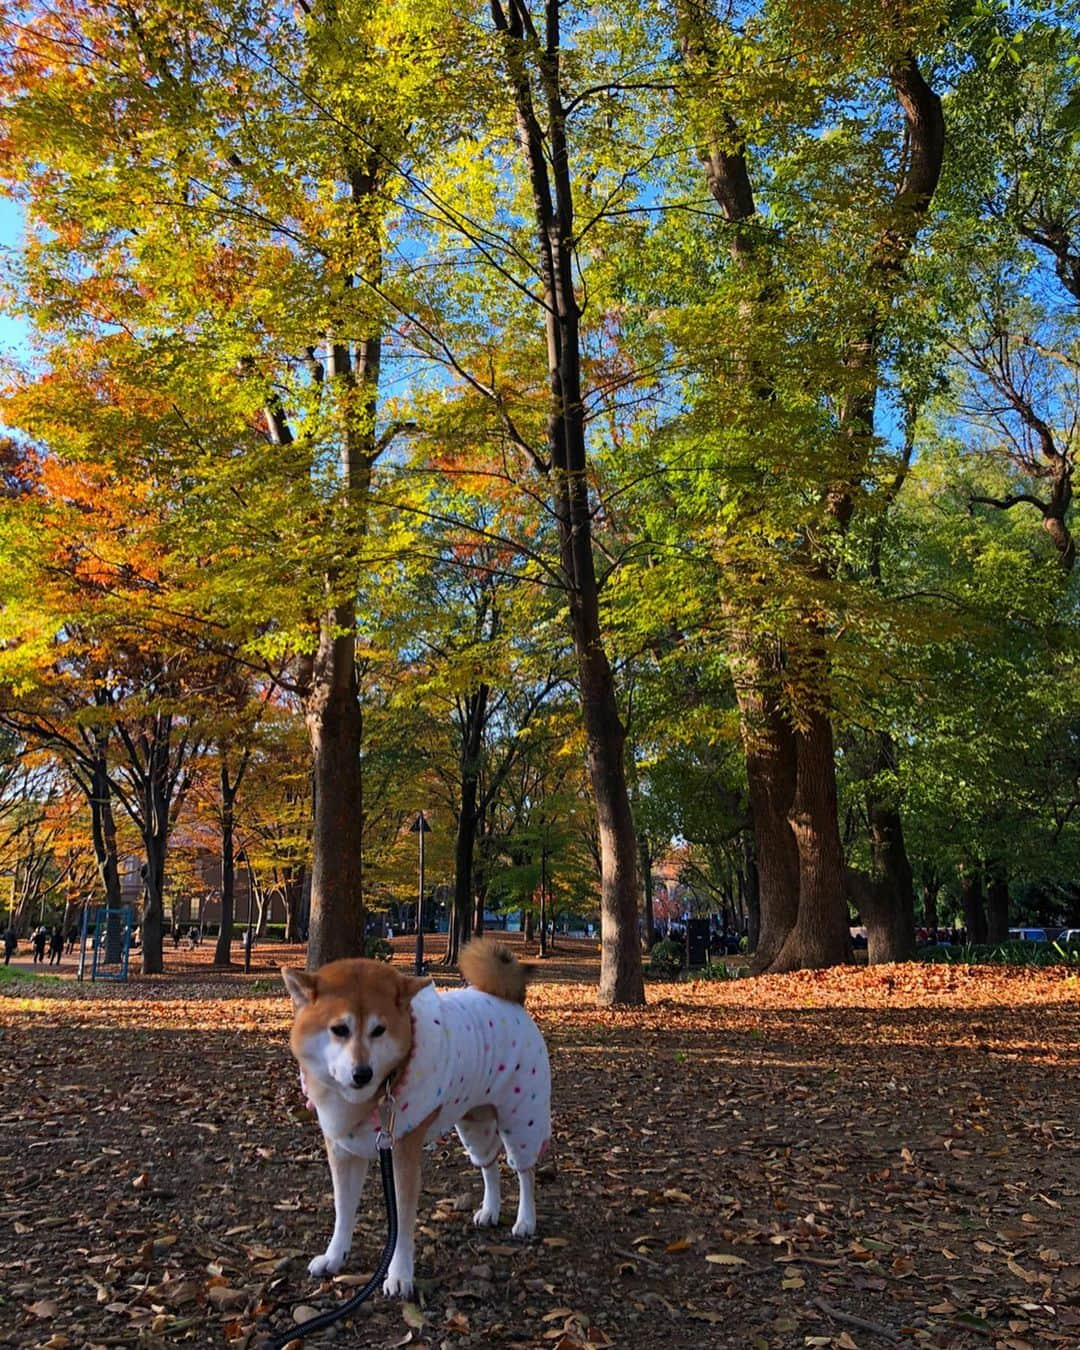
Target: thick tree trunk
x: 893, y: 938
x: 971, y: 897
x: 997, y: 904
x: 875, y: 903
x: 621, y: 978
x: 771, y: 770
x: 103, y: 832
x: 821, y: 935
x: 336, y: 925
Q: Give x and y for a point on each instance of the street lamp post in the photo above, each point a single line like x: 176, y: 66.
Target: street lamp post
x: 420, y: 827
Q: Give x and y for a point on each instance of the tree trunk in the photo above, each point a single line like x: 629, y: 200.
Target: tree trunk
x: 530, y: 929
x: 336, y: 925
x: 621, y: 978
x: 972, y: 899
x: 894, y: 928
x: 770, y: 747
x: 294, y: 899
x: 332, y: 700
x: 463, y: 919
x: 931, y: 887
x: 223, y: 951
x: 818, y: 937
x: 997, y: 904
x: 103, y: 830
x: 155, y: 831
x: 455, y: 938
x: 821, y: 935
x: 472, y: 718
x: 751, y: 893
x: 153, y: 913
x: 648, y: 918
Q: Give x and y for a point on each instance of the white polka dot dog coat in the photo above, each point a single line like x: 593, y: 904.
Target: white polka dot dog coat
x: 469, y: 1050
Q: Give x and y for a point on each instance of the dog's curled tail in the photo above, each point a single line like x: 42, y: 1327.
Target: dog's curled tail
x: 493, y: 968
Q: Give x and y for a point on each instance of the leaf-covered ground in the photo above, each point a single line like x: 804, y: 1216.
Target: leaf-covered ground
x: 854, y: 1158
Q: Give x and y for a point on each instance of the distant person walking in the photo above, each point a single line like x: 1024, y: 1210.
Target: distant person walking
x: 41, y: 937
x: 11, y: 941
x: 56, y: 946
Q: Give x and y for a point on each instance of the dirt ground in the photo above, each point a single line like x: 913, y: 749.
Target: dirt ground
x: 861, y: 1158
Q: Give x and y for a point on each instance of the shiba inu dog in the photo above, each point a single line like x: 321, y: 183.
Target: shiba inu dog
x: 469, y: 1059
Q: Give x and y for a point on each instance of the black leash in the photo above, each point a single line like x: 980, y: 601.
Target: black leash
x: 326, y: 1319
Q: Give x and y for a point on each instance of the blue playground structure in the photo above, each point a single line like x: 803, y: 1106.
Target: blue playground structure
x: 109, y: 943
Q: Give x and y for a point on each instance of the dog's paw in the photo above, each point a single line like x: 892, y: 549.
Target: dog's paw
x: 329, y: 1263
x: 486, y: 1218
x: 398, y: 1285
x: 524, y: 1228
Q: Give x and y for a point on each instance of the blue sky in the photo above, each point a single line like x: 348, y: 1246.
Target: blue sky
x: 14, y: 335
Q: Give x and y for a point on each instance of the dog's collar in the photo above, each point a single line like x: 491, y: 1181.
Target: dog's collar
x: 385, y: 1093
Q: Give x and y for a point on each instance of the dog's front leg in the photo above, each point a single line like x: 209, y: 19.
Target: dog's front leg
x: 408, y: 1153
x: 348, y: 1172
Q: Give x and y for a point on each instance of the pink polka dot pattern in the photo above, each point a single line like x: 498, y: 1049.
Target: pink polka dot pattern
x: 461, y: 1062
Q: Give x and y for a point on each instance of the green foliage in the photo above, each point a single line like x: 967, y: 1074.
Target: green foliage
x: 720, y: 970
x: 666, y: 959
x: 198, y: 243
x: 1005, y: 953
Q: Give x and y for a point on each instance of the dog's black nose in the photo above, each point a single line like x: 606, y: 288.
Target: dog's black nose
x: 361, y: 1075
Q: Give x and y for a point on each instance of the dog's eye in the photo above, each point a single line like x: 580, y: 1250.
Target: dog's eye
x: 377, y: 1031
x: 340, y: 1029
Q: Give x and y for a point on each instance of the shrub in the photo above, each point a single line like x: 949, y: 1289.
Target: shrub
x: 666, y: 959
x: 1012, y: 953
x: 720, y: 970
x: 378, y: 949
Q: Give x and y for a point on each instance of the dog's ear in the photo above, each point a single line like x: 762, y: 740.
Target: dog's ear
x: 302, y: 987
x: 409, y: 986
